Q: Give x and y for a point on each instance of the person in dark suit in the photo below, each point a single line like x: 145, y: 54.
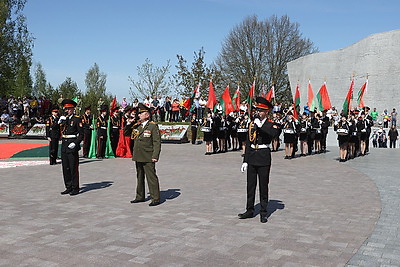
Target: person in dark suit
x: 102, y: 121
x: 53, y: 135
x: 114, y: 131
x: 87, y: 130
x: 257, y: 158
x: 71, y: 137
x: 146, y: 153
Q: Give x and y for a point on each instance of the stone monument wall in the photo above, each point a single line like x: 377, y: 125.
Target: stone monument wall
x: 377, y: 56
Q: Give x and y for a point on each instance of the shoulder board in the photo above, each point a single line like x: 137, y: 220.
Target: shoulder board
x: 271, y: 121
x: 76, y: 116
x: 152, y: 122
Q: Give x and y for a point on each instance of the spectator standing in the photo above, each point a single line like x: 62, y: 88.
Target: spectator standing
x: 175, y: 110
x: 374, y: 114
x: 393, y: 136
x: 386, y: 118
x: 124, y: 103
x: 393, y: 117
x: 167, y: 107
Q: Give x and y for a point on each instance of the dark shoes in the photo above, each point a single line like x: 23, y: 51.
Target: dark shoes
x: 263, y: 218
x: 74, y: 192
x: 154, y: 203
x: 246, y: 215
x: 67, y: 191
x: 137, y: 201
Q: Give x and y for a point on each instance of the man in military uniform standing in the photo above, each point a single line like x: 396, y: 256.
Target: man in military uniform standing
x: 102, y: 132
x: 114, y: 131
x: 146, y: 153
x: 87, y: 130
x: 257, y: 158
x: 53, y: 135
x: 72, y: 135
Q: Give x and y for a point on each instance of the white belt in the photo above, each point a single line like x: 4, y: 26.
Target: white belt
x: 69, y: 136
x: 260, y: 146
x: 105, y: 128
x: 115, y: 127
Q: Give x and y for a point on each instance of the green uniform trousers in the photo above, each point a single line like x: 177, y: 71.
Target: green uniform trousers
x: 147, y: 169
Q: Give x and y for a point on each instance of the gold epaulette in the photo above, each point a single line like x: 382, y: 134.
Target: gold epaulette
x: 152, y: 122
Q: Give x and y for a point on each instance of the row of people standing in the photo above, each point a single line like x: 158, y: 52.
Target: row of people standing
x: 353, y: 134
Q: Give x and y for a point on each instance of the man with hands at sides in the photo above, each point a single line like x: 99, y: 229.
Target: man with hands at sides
x: 257, y: 158
x: 71, y: 137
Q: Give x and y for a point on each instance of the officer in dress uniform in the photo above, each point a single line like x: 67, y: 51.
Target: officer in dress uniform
x: 146, y: 153
x: 102, y: 121
x: 72, y: 135
x: 114, y: 131
x: 369, y: 126
x: 87, y: 131
x: 53, y: 135
x: 324, y: 130
x: 257, y: 158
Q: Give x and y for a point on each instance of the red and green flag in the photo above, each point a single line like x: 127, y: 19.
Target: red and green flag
x: 226, y: 101
x: 212, y: 99
x: 360, y: 98
x: 188, y: 104
x: 347, y: 101
x: 323, y: 98
x: 270, y: 94
x: 296, y: 102
x: 250, y: 96
x: 236, y: 99
x: 311, y: 103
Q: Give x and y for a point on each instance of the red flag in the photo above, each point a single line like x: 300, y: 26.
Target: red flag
x: 227, y: 101
x: 310, y: 103
x: 270, y: 94
x: 296, y: 103
x: 113, y: 105
x: 236, y: 99
x: 360, y: 98
x: 212, y: 100
x: 347, y: 101
x: 188, y: 103
x: 197, y: 91
x: 323, y: 98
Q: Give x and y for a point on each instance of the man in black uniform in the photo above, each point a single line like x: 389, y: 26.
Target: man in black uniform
x: 324, y: 130
x: 114, y: 131
x: 53, y: 135
x: 72, y: 135
x: 101, y: 124
x: 87, y: 130
x: 257, y: 158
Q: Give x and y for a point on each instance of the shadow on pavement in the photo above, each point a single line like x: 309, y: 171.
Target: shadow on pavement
x: 273, y: 205
x: 95, y: 186
x: 169, y: 194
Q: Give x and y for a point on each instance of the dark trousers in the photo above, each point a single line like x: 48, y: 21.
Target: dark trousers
x: 114, y: 140
x: 194, y: 134
x: 101, y: 146
x: 87, y: 139
x: 263, y: 176
x: 53, y: 150
x: 392, y: 143
x: 70, y: 167
x: 148, y: 170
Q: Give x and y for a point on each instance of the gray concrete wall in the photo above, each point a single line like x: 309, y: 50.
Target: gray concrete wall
x: 377, y: 55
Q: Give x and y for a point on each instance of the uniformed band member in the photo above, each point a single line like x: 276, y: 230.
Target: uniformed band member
x: 194, y: 124
x: 206, y: 128
x: 146, y: 153
x: 72, y: 136
x: 53, y: 135
x: 87, y: 131
x: 343, y: 130
x: 102, y: 121
x: 114, y: 131
x: 257, y: 158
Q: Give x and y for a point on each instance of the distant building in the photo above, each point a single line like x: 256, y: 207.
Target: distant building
x: 378, y: 55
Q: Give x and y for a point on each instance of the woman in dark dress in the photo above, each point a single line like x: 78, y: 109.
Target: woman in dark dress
x: 207, y: 133
x: 289, y: 135
x: 303, y: 135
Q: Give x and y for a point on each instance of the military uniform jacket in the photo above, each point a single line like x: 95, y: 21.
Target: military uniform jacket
x: 86, y: 122
x: 115, y: 122
x: 101, y: 126
x: 260, y: 136
x: 70, y: 127
x: 53, y: 128
x: 147, y: 142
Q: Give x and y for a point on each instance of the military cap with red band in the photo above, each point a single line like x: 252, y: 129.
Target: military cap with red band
x: 68, y: 103
x: 263, y: 103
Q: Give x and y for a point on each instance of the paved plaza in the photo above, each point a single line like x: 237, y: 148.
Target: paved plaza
x: 321, y: 213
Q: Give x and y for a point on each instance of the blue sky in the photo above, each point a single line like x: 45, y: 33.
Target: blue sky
x: 118, y: 35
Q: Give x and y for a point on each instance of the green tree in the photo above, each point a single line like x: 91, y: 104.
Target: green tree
x: 152, y: 81
x: 16, y: 49
x: 68, y: 89
x: 95, y: 88
x: 40, y: 84
x: 260, y: 50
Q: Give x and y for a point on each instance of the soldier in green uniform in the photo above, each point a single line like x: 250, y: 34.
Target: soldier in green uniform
x: 146, y: 152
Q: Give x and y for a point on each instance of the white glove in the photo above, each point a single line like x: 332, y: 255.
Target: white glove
x: 336, y: 123
x: 244, y: 167
x: 62, y: 118
x: 258, y: 122
x: 71, y: 146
